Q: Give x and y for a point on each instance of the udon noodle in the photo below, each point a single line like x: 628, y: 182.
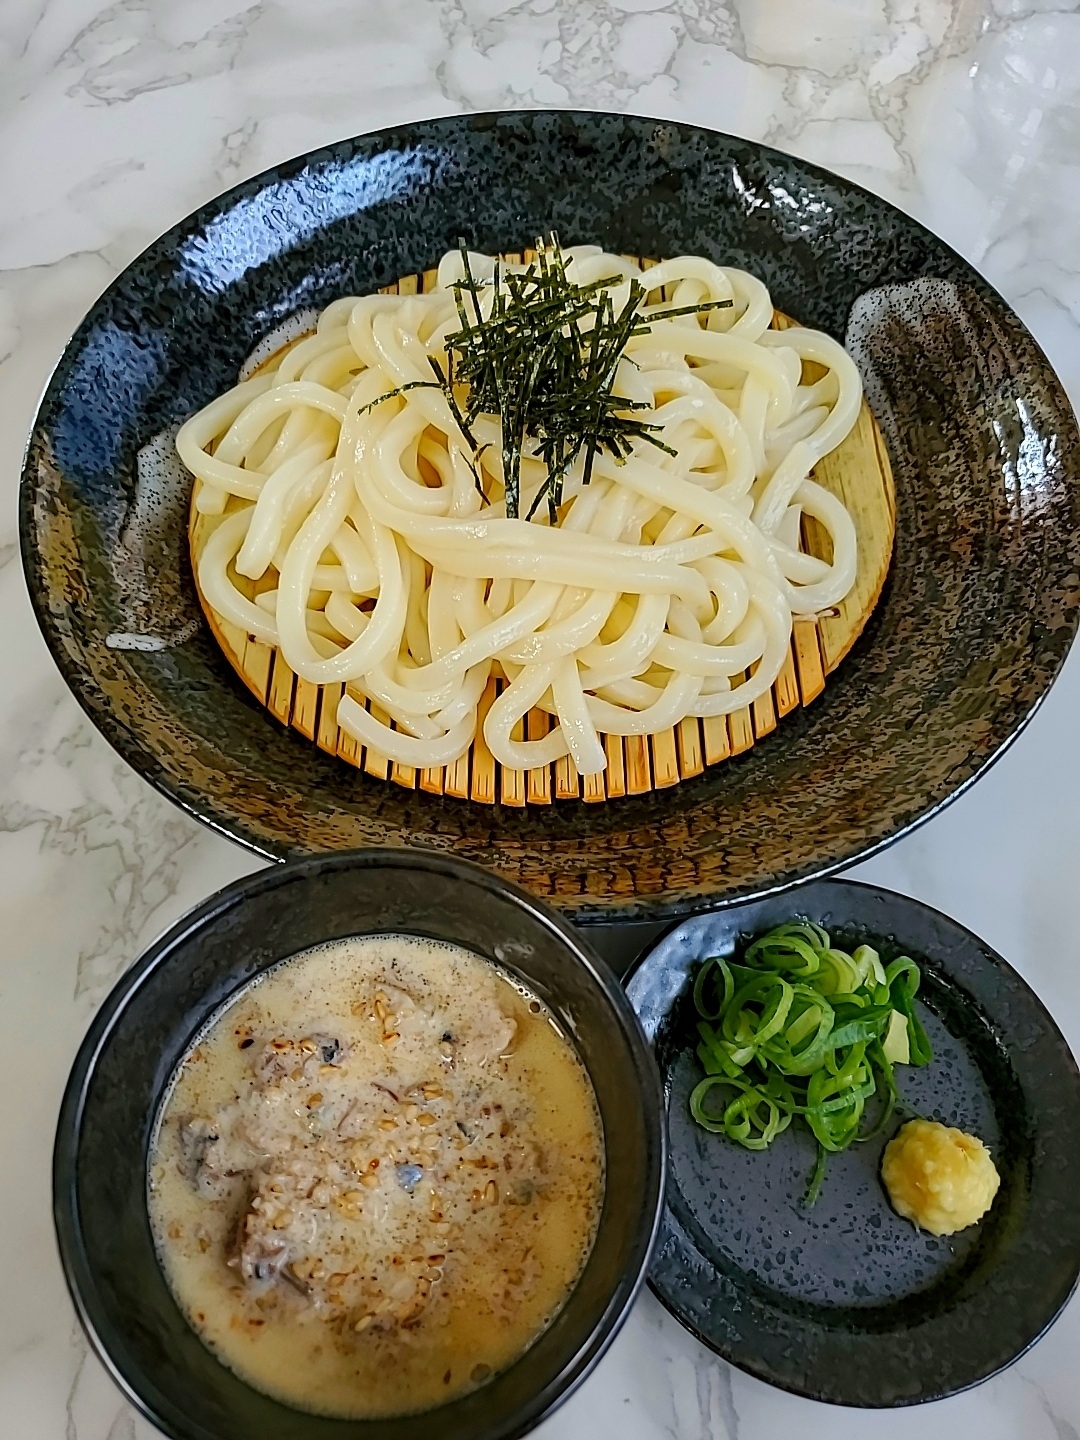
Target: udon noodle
x: 666, y: 588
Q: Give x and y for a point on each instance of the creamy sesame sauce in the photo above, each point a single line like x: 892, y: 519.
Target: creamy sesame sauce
x: 376, y: 1177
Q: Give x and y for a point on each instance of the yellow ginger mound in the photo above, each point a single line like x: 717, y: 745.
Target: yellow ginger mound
x: 939, y: 1177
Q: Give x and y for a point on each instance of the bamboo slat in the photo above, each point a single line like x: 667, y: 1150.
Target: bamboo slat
x: 764, y: 715
x: 691, y: 754
x: 327, y: 736
x: 665, y: 759
x: 456, y: 779
x: 740, y: 730
x: 375, y: 763
x: 431, y: 780
x: 538, y: 781
x: 403, y: 775
x: 483, y: 772
x: 786, y: 686
x: 638, y: 772
x: 349, y: 749
x: 305, y: 715
x: 615, y: 773
x: 717, y: 741
x: 566, y: 779
x: 593, y: 789
x: 282, y: 684
x: 858, y: 472
x: 512, y: 782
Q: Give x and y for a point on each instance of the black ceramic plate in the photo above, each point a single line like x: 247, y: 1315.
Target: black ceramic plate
x: 974, y: 622
x: 847, y: 1302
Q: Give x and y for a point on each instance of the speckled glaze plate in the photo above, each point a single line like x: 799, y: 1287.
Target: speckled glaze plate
x: 847, y: 1302
x: 977, y: 613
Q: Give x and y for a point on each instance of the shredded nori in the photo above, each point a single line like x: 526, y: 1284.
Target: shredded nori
x: 544, y: 362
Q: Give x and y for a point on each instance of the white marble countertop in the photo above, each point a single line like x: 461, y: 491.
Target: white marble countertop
x: 117, y: 119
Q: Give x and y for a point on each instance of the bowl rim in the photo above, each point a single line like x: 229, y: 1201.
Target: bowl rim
x: 75, y: 1263
x: 996, y: 961
x: 202, y: 807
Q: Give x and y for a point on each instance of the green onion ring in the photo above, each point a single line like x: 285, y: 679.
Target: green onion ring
x: 797, y: 1029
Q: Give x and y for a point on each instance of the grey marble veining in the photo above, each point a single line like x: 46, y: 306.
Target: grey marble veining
x: 116, y: 120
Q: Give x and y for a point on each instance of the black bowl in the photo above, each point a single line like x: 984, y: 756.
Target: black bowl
x: 977, y: 614
x: 845, y: 1301
x: 149, y: 1021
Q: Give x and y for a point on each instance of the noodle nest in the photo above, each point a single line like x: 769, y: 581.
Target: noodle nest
x: 666, y: 588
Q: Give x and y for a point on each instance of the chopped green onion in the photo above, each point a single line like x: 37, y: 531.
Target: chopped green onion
x: 803, y: 1028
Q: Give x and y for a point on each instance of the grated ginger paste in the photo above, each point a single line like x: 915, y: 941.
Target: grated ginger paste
x: 939, y: 1177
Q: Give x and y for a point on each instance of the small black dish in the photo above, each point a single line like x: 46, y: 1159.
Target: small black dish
x: 977, y: 615
x: 846, y: 1302
x: 149, y: 1021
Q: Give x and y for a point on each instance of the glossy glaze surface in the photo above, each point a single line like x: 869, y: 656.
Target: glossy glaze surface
x: 977, y: 613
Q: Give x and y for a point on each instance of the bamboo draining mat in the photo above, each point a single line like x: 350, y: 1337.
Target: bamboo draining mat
x: 857, y: 471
